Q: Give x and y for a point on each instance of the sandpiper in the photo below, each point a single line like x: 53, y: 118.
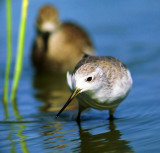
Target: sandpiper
x: 99, y: 82
x: 58, y: 46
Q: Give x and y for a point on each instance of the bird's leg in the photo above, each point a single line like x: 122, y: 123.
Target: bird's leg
x: 78, y: 116
x: 111, y: 112
x: 80, y: 109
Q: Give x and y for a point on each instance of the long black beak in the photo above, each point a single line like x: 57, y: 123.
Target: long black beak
x: 74, y: 94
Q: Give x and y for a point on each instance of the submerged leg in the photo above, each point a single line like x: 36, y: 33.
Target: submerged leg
x: 80, y: 109
x: 111, y: 112
x: 78, y: 116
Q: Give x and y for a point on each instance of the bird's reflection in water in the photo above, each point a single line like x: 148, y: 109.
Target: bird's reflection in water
x: 52, y: 90
x: 109, y: 142
x: 63, y: 136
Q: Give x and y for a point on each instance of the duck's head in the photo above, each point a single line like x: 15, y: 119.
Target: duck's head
x: 47, y: 20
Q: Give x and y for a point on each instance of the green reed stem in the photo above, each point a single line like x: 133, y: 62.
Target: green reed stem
x: 9, y: 56
x: 16, y: 110
x: 19, y: 60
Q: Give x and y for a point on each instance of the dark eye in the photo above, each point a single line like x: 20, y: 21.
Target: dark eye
x: 89, y: 79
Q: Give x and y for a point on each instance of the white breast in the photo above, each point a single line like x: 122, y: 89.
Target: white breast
x: 104, y: 98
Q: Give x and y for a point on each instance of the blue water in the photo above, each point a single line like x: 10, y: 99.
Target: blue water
x: 128, y: 30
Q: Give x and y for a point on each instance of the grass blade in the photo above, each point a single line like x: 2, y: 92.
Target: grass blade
x: 19, y: 60
x: 9, y: 56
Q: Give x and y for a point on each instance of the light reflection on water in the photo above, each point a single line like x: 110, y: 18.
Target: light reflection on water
x: 128, y: 30
x: 61, y: 136
x: 52, y: 91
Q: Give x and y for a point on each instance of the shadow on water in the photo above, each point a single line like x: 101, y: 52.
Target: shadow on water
x: 52, y: 90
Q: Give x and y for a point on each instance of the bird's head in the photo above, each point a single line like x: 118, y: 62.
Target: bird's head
x: 47, y: 20
x: 87, y: 78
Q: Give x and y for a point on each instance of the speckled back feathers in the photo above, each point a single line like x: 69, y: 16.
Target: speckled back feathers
x: 112, y: 67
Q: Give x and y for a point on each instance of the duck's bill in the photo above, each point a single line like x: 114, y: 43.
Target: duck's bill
x: 73, y: 95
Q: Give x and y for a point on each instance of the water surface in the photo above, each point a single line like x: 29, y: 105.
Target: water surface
x: 128, y: 30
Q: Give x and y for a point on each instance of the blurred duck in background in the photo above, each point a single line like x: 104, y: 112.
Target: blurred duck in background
x: 58, y: 46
